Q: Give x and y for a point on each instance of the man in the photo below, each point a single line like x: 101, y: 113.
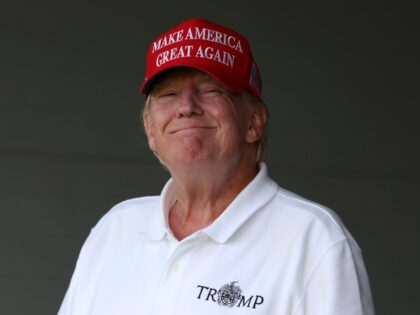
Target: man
x: 222, y: 238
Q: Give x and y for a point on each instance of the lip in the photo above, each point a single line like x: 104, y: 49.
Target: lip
x: 187, y: 128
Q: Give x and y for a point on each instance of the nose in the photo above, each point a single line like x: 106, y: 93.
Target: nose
x: 189, y: 103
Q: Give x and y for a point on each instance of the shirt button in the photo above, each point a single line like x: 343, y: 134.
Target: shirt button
x: 175, y: 267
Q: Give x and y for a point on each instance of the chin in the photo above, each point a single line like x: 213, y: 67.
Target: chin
x: 188, y: 150
x: 189, y: 159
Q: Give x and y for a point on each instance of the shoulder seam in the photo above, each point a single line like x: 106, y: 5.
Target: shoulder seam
x: 119, y: 208
x: 321, y: 208
x: 315, y: 266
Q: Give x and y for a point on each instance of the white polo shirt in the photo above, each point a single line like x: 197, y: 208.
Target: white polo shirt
x: 270, y: 252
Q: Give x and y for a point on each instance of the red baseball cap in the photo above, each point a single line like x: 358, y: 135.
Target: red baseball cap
x: 214, y: 49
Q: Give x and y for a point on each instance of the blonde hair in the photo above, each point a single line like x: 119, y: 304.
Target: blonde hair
x: 256, y: 102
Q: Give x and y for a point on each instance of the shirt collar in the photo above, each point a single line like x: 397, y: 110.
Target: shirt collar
x: 252, y: 198
x: 156, y: 225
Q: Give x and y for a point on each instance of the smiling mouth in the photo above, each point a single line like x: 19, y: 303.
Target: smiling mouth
x: 190, y: 128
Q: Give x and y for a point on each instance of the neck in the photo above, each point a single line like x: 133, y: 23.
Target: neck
x: 202, y: 195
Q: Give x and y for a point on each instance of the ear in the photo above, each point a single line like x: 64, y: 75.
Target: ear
x: 257, y: 123
x: 148, y: 129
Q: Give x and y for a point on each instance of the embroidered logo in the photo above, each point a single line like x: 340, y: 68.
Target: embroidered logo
x: 229, y: 294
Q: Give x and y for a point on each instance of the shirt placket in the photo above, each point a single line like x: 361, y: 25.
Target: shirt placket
x: 169, y: 290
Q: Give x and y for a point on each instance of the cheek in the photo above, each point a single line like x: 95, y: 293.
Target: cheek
x: 235, y: 120
x: 150, y: 133
x: 159, y: 118
x: 221, y: 112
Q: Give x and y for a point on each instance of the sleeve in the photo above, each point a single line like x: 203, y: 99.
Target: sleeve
x: 338, y: 284
x: 67, y: 306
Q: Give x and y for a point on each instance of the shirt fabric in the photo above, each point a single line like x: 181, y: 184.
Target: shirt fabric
x: 269, y: 252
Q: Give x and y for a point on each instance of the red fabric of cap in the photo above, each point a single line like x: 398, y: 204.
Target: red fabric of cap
x: 214, y: 49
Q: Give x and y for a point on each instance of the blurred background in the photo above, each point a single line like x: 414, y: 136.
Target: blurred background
x: 341, y: 80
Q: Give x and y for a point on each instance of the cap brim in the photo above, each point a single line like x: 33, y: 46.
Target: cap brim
x: 147, y: 86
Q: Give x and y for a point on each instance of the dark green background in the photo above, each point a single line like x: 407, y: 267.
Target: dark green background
x: 341, y: 81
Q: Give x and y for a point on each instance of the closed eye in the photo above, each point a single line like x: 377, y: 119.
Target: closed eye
x: 165, y: 94
x: 211, y: 92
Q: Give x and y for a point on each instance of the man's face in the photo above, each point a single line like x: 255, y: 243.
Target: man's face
x: 191, y: 118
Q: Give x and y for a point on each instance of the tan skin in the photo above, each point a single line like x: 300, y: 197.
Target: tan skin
x: 206, y: 137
